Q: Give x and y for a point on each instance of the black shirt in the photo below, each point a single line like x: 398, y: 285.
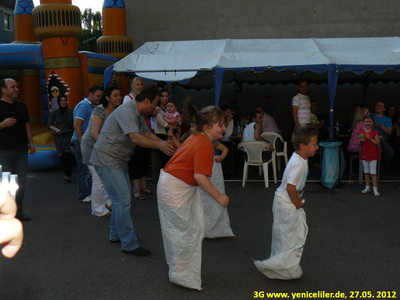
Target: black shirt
x: 14, y: 138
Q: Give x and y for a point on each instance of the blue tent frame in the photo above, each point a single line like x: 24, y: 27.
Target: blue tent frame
x: 333, y: 71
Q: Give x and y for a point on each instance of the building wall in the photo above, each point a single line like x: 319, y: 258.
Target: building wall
x: 6, y: 36
x: 155, y: 20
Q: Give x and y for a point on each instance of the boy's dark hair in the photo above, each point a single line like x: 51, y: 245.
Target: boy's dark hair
x: 148, y: 92
x: 369, y: 116
x: 303, y: 135
x: 95, y: 88
x: 253, y: 115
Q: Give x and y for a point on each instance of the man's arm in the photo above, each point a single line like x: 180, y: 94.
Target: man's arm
x: 8, y: 123
x: 258, y: 137
x: 387, y: 130
x: 78, y: 129
x: 295, y: 109
x: 152, y: 136
x: 257, y: 132
x: 154, y: 142
x: 30, y: 139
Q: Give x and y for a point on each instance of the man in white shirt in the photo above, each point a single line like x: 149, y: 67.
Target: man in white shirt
x: 253, y: 131
x: 301, y: 106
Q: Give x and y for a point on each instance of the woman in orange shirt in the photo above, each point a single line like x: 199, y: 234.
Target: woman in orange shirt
x: 179, y: 201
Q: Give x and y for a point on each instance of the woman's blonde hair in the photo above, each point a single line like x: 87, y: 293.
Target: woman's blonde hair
x: 359, y: 116
x: 135, y: 80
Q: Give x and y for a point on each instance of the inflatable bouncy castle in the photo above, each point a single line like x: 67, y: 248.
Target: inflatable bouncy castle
x: 45, y: 61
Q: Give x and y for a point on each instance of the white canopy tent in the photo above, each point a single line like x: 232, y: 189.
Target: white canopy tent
x: 208, y: 63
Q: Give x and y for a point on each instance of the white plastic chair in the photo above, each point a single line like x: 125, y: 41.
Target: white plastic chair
x: 254, y: 150
x: 272, y: 138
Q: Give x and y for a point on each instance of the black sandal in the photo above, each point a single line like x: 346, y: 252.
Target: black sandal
x: 138, y: 196
x: 147, y: 191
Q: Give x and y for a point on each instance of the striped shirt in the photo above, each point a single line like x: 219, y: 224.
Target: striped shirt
x: 304, y: 112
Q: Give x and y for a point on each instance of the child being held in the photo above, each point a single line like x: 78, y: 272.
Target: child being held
x: 369, y: 154
x: 173, y: 118
x: 289, y: 230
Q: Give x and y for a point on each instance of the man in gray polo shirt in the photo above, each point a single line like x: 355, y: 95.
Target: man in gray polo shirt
x: 123, y: 130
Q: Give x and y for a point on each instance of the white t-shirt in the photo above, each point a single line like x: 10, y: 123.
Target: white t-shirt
x: 295, y: 173
x: 248, y: 133
x: 127, y: 98
x: 304, y: 112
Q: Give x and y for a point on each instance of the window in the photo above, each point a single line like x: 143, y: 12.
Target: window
x: 7, y: 21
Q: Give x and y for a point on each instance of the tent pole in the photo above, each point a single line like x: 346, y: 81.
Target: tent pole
x: 333, y: 74
x: 218, y: 76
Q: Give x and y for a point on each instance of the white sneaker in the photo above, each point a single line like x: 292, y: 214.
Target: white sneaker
x: 87, y: 199
x: 376, y: 193
x: 366, y: 190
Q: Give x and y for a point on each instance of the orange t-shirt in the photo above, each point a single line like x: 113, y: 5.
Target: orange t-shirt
x: 196, y: 155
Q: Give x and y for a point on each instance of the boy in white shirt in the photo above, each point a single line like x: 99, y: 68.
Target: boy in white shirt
x: 289, y: 230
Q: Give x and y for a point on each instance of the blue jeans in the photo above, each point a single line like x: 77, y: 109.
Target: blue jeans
x: 118, y: 187
x: 83, y: 176
x: 387, y: 153
x: 16, y: 162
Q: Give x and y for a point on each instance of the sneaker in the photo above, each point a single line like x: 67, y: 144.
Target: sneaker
x: 376, y: 193
x: 366, y: 190
x: 86, y: 200
x: 138, y: 252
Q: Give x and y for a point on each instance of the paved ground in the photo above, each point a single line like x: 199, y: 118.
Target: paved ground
x: 353, y: 245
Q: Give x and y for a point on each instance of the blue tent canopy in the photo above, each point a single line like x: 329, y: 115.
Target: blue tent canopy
x: 211, y: 63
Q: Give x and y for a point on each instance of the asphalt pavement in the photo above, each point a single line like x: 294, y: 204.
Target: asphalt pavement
x: 353, y: 245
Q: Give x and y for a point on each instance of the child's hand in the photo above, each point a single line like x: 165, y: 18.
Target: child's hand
x: 11, y: 231
x: 218, y: 158
x: 368, y: 137
x: 299, y: 204
x: 223, y: 200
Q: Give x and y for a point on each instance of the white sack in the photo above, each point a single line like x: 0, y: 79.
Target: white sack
x: 289, y: 233
x: 216, y: 216
x: 182, y: 225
